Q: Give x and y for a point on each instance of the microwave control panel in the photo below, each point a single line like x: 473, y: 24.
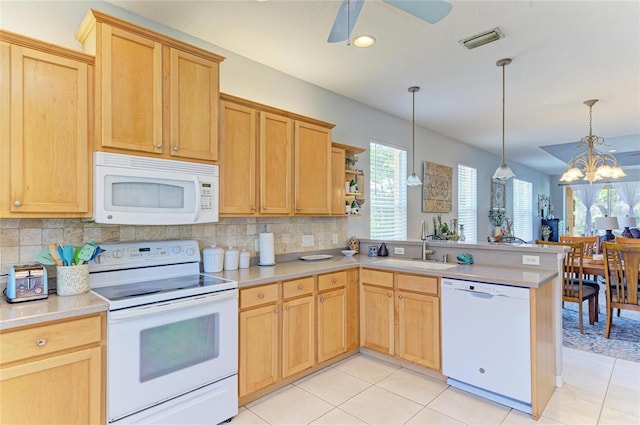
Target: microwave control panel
x: 206, y: 196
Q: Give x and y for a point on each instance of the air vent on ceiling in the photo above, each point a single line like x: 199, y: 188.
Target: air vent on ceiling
x: 482, y: 38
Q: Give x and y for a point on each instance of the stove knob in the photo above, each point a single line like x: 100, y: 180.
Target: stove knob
x: 176, y: 249
x: 190, y: 252
x: 118, y: 253
x: 99, y: 259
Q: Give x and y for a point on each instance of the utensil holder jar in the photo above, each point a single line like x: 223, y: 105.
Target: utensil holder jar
x: 72, y: 280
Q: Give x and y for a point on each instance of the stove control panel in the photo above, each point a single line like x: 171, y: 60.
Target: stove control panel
x: 145, y: 253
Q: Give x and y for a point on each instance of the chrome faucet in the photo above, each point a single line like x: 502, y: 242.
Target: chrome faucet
x: 423, y: 236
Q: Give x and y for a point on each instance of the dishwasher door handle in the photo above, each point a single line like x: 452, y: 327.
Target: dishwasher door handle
x: 480, y: 294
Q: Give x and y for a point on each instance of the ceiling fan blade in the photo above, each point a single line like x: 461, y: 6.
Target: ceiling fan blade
x: 431, y: 11
x: 349, y: 10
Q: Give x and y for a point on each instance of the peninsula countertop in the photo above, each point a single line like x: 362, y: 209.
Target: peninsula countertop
x: 55, y: 307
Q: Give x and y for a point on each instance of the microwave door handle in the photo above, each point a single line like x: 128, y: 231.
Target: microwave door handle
x: 196, y: 213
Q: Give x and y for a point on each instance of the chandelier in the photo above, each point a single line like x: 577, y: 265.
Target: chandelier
x: 596, y: 164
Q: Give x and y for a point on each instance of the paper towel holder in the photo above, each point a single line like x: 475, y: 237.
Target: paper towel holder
x: 266, y: 259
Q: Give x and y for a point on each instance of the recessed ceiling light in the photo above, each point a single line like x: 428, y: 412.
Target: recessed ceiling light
x: 364, y: 41
x: 482, y: 38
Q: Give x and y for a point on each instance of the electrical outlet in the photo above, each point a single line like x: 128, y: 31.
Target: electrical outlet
x: 531, y: 260
x: 308, y: 240
x: 398, y: 251
x: 334, y: 238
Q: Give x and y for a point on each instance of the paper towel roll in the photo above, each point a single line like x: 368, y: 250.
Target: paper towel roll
x: 267, y: 254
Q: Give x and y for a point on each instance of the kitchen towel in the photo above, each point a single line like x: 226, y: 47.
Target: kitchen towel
x: 267, y: 254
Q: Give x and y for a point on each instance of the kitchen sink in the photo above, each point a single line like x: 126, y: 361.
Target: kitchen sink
x: 416, y: 264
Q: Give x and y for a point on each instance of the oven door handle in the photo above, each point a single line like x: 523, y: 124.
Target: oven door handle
x: 135, y: 312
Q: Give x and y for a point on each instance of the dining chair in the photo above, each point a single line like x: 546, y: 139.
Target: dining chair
x: 590, y: 245
x: 621, y: 276
x: 572, y: 288
x: 622, y: 239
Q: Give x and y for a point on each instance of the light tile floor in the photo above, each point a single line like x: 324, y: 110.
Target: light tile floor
x: 365, y: 390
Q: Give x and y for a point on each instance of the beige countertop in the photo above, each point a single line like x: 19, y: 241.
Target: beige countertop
x: 55, y: 307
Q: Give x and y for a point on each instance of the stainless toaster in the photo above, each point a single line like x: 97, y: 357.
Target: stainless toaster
x: 27, y: 282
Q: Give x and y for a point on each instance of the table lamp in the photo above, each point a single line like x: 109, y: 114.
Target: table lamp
x: 627, y: 222
x: 607, y: 224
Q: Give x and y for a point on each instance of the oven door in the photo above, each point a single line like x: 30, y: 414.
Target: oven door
x: 160, y: 351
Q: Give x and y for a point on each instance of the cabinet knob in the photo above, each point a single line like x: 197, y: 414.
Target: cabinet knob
x: 260, y: 296
x: 286, y: 307
x: 390, y: 295
x: 399, y: 297
x: 334, y: 281
x: 298, y: 209
x: 176, y: 149
x: 158, y: 146
x: 17, y: 203
x: 264, y: 208
x: 301, y: 287
x: 253, y: 208
x: 41, y: 342
x: 277, y: 310
x: 321, y: 299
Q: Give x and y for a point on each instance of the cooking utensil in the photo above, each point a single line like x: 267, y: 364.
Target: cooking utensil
x: 76, y: 251
x: 97, y: 252
x: 67, y: 250
x: 43, y: 257
x: 86, y: 252
x: 61, y: 255
x: 53, y: 251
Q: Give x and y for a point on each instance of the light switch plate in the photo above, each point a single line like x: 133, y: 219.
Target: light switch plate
x: 308, y: 240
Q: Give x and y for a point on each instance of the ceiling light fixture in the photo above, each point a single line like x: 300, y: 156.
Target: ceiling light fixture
x: 595, y: 163
x: 482, y: 38
x: 413, y: 180
x: 503, y: 172
x: 364, y: 41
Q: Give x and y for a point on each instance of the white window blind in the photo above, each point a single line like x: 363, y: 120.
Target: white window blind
x: 523, y: 210
x: 468, y: 201
x: 388, y: 192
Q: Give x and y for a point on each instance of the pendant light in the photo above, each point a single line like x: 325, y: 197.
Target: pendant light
x: 503, y: 172
x: 413, y: 180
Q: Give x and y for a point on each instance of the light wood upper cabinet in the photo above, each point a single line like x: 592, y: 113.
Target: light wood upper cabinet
x: 59, y: 362
x: 155, y: 96
x: 194, y: 106
x: 312, y: 169
x: 275, y: 163
x: 337, y: 181
x: 237, y: 159
x: 45, y: 156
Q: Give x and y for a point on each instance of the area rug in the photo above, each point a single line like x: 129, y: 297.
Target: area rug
x: 623, y: 343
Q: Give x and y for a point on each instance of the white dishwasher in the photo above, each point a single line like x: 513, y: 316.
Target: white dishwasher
x: 486, y: 346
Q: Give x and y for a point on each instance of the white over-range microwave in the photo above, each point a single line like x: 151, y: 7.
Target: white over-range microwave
x: 132, y: 189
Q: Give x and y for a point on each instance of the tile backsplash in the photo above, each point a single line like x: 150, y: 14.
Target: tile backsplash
x: 21, y: 238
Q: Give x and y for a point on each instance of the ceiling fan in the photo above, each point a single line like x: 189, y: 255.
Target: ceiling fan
x: 431, y: 11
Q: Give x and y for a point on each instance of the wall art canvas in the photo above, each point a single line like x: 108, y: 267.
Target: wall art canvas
x: 498, y: 194
x: 436, y: 190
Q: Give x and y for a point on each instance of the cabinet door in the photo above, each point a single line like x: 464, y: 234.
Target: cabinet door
x: 312, y: 169
x: 237, y: 159
x: 64, y: 389
x: 298, y: 335
x: 376, y: 318
x: 49, y: 144
x: 259, y: 348
x: 418, y: 338
x: 353, y: 309
x: 337, y: 181
x: 194, y: 106
x: 332, y: 324
x: 275, y: 164
x: 128, y: 91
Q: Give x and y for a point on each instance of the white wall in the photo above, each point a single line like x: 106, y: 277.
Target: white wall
x: 356, y: 124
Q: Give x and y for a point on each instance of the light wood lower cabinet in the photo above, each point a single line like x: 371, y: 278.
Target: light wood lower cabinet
x: 402, y: 320
x: 332, y: 324
x: 60, y: 363
x: 298, y: 335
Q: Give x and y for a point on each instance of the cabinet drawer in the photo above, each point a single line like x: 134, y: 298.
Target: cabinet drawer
x: 49, y: 338
x: 377, y: 277
x: 424, y: 284
x: 297, y: 287
x: 332, y: 280
x: 258, y: 295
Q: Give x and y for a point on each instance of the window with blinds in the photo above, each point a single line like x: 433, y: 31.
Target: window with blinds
x: 523, y: 210
x: 468, y: 201
x: 388, y: 192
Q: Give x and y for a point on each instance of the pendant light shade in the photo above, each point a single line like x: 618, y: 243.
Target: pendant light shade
x: 413, y: 180
x: 503, y: 172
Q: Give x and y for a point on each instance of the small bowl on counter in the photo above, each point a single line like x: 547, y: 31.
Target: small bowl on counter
x: 348, y: 252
